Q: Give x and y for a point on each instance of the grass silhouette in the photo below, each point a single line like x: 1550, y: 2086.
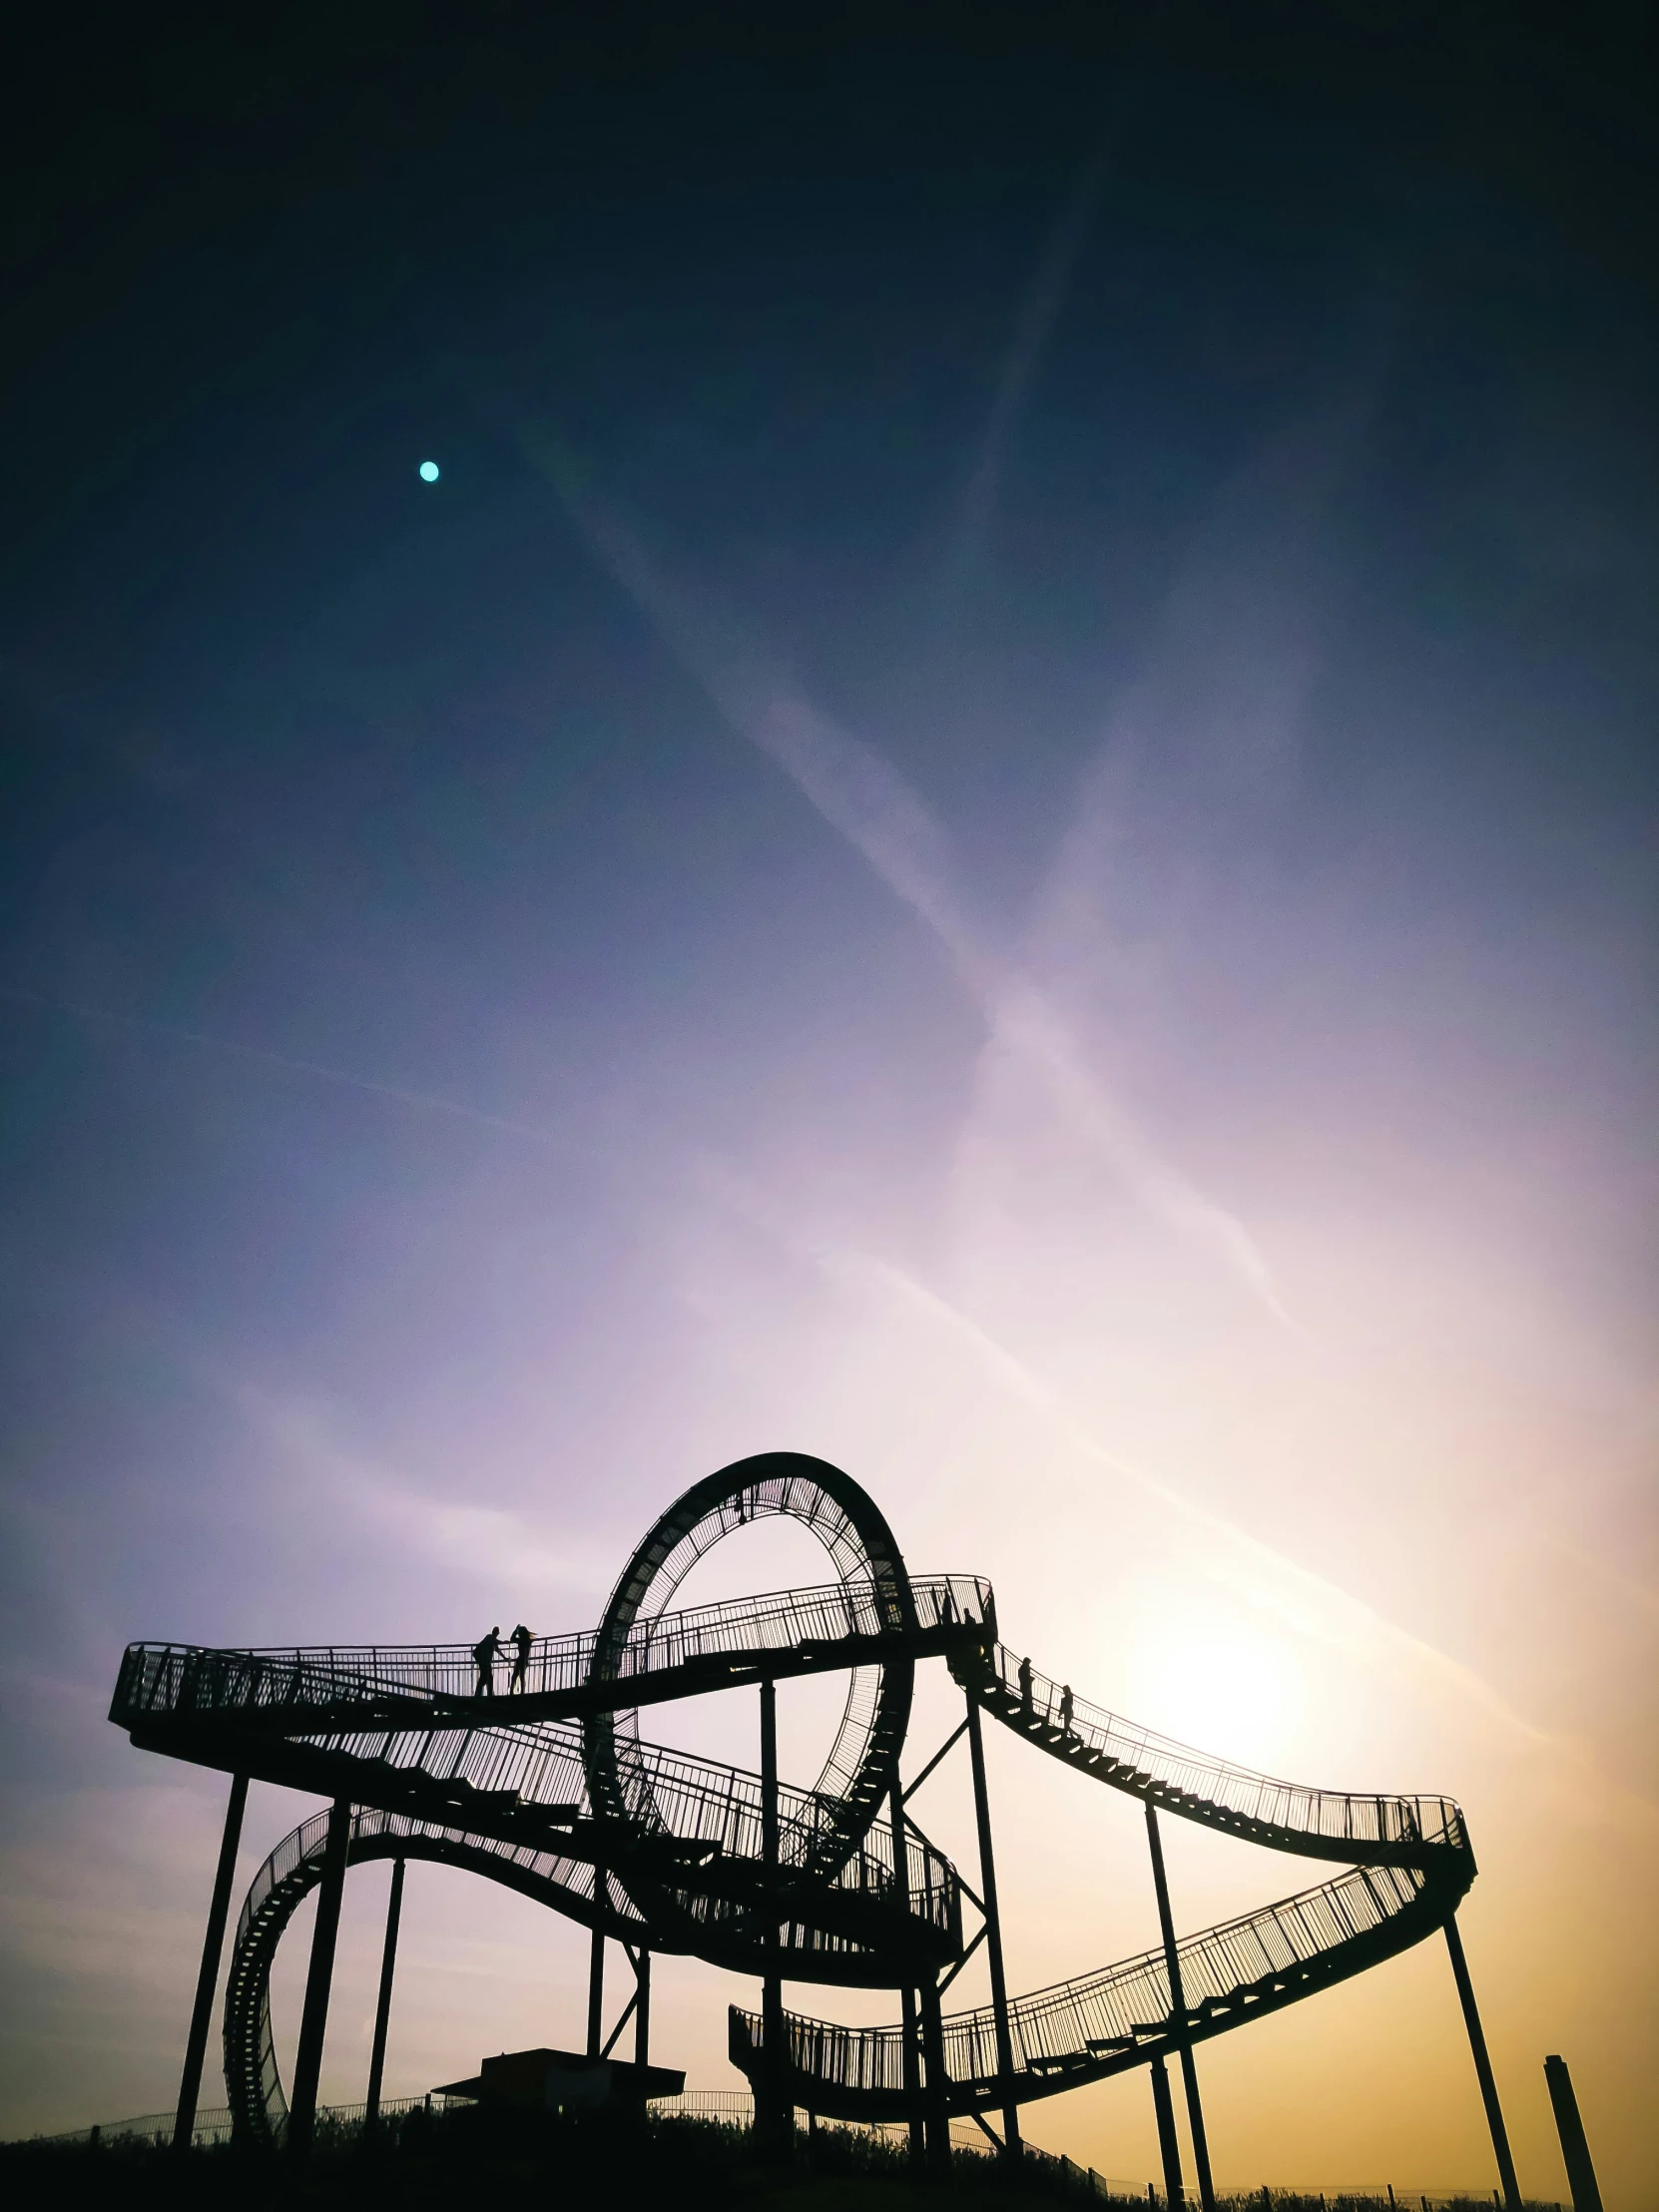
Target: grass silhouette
x: 459, y: 2159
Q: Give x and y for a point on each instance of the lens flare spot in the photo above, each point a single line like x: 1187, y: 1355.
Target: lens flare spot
x: 428, y: 472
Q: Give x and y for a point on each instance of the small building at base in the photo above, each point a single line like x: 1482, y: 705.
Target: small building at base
x: 565, y: 2081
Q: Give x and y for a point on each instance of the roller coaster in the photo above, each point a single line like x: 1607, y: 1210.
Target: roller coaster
x: 549, y: 1788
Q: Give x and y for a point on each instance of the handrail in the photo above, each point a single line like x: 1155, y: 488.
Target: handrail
x: 1413, y: 1863
x: 527, y: 1779
x: 280, y: 1678
x: 1198, y: 1784
x: 1119, y: 2015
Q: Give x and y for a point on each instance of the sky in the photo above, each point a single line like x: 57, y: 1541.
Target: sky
x: 998, y: 822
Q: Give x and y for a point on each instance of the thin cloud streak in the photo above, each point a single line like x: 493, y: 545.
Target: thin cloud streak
x: 863, y: 795
x: 1317, y: 1609
x: 1038, y: 315
x: 487, y: 1544
x: 1305, y: 1602
x: 427, y: 1101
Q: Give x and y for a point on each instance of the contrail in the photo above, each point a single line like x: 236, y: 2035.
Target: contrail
x: 863, y: 795
x: 1306, y: 1601
x: 1036, y: 323
x: 427, y: 1101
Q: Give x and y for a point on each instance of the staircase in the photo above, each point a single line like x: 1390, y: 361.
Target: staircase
x: 1409, y: 1863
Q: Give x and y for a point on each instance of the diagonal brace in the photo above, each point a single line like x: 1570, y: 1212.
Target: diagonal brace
x: 634, y: 1959
x: 625, y: 2017
x: 984, y: 1931
x: 955, y: 1736
x: 963, y: 1882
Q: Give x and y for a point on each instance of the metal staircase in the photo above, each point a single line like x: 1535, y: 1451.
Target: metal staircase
x: 685, y: 1827
x: 252, y: 2082
x: 819, y: 1630
x: 531, y: 1771
x: 1284, y: 1816
x: 1410, y: 1865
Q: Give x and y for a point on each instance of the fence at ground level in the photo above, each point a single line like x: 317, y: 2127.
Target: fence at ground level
x: 1366, y: 2196
x: 214, y: 2126
x: 736, y: 2108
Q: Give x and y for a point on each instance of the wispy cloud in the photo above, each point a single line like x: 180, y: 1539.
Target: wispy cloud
x: 488, y: 1544
x: 427, y: 1102
x: 1039, y: 313
x: 860, y: 793
x: 1299, y: 1599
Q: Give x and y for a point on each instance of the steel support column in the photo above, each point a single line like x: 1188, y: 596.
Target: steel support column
x: 1575, y: 2148
x: 993, y: 1935
x: 207, y: 1979
x: 382, y: 2008
x: 642, y: 2010
x: 1178, y: 2016
x: 909, y: 2055
x: 313, y: 2022
x: 910, y: 2059
x: 774, y: 2121
x: 595, y: 1965
x: 936, y: 2093
x: 1169, y: 2143
x: 1484, y: 2067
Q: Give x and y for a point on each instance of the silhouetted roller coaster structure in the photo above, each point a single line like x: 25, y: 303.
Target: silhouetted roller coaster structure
x: 554, y: 1792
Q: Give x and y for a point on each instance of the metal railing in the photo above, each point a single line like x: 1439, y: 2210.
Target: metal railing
x: 1079, y: 2023
x: 527, y: 1781
x: 1392, y: 1822
x: 278, y: 1680
x: 303, y: 1846
x: 734, y: 2107
x: 292, y: 1685
x: 217, y: 2125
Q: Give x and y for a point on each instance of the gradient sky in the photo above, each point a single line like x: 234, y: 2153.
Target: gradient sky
x: 999, y: 822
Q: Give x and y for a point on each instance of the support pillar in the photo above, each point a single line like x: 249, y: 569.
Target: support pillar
x: 207, y: 1979
x: 1576, y: 2150
x: 642, y: 2010
x: 774, y: 2119
x: 313, y: 2022
x: 1484, y: 2068
x: 1169, y: 2143
x: 936, y: 2095
x: 595, y: 1965
x: 911, y: 2055
x: 910, y: 2067
x: 382, y: 2008
x: 993, y: 1936
x: 1178, y: 2016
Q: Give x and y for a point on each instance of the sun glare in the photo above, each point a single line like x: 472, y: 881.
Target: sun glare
x: 1231, y: 1693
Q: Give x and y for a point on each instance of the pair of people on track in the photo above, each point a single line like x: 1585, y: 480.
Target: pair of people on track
x: 485, y: 1652
x: 1025, y: 1698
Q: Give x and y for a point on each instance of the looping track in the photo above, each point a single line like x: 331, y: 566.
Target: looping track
x: 551, y: 1788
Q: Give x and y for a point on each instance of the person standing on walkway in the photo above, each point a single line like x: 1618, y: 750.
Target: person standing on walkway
x: 483, y: 1658
x: 1025, y: 1689
x: 521, y: 1642
x: 1065, y: 1708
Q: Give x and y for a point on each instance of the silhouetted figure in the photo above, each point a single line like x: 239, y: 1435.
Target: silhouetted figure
x: 483, y: 1658
x: 1025, y: 1689
x: 521, y: 1642
x: 948, y: 1605
x: 1065, y: 1708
